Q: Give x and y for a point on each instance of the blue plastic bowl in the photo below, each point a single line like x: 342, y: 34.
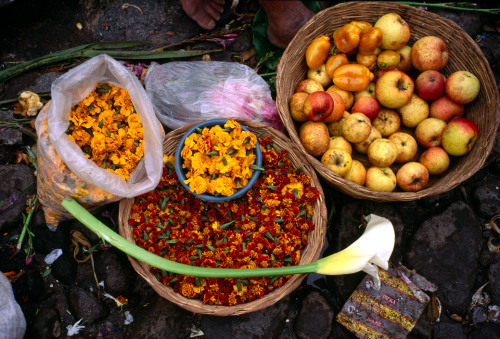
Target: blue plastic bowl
x: 208, y: 197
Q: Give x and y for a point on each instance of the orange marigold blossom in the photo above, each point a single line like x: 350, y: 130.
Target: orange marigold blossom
x: 266, y: 227
x: 218, y: 159
x: 107, y: 128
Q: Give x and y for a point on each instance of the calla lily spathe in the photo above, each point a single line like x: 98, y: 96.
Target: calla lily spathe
x: 372, y: 249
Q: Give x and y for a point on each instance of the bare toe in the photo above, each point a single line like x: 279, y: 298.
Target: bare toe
x: 204, y: 12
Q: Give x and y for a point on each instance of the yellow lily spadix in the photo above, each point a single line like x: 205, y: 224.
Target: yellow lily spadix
x: 373, y: 248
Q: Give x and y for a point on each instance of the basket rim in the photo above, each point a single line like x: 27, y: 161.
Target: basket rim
x: 196, y: 305
x: 354, y: 189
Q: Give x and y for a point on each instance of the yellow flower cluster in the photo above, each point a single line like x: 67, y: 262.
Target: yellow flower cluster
x: 218, y: 159
x: 108, y: 130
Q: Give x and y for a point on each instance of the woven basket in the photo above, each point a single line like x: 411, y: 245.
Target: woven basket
x: 464, y: 55
x: 309, y: 254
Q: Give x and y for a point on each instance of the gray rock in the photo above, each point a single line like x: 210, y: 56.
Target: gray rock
x: 9, y: 136
x: 448, y: 331
x: 13, y: 193
x: 266, y: 323
x: 445, y: 250
x: 479, y: 315
x: 46, y: 240
x: 47, y: 323
x: 44, y: 82
x: 115, y: 270
x: 65, y: 268
x: 469, y: 23
x: 12, y: 321
x: 487, y: 331
x: 487, y: 197
x: 158, y: 23
x: 494, y: 279
x: 84, y: 304
x: 158, y: 319
x: 315, y: 318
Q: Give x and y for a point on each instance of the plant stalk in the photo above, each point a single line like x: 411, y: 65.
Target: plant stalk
x: 92, y: 50
x: 86, y: 218
x: 452, y: 5
x: 25, y: 226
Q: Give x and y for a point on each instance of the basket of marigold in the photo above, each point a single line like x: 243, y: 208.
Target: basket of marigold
x: 218, y: 160
x: 279, y: 221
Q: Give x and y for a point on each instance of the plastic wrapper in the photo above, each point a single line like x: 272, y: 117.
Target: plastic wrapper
x: 63, y: 169
x: 188, y: 91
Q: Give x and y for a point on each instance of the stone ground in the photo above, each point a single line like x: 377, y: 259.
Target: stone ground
x: 444, y: 238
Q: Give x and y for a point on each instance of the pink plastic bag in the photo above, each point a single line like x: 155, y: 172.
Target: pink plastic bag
x: 188, y: 91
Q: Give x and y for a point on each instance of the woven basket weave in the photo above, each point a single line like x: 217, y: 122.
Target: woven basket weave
x: 309, y: 254
x: 465, y: 54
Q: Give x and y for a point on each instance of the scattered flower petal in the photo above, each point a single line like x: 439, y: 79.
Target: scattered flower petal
x: 128, y: 318
x: 75, y: 328
x: 52, y: 256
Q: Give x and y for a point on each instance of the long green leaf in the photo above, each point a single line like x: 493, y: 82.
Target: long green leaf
x: 92, y: 50
x: 119, y: 44
x: 144, y: 55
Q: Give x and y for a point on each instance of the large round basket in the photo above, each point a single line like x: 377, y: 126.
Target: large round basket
x: 464, y: 55
x: 310, y: 253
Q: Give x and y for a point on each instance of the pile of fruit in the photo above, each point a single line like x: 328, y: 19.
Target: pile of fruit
x: 371, y: 96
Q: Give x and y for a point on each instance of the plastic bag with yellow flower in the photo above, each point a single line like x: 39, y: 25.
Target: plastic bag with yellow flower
x: 64, y: 170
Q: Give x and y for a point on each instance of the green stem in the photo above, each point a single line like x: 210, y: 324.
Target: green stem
x: 82, y: 215
x: 452, y: 5
x: 268, y: 74
x: 26, y: 223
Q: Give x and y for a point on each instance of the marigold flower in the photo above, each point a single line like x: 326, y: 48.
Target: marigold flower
x: 108, y: 130
x: 234, y: 234
x: 221, y: 156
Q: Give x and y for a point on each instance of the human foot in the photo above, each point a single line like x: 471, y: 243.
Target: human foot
x: 204, y: 12
x: 285, y: 19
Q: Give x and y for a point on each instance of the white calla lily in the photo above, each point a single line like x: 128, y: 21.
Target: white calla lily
x: 375, y: 246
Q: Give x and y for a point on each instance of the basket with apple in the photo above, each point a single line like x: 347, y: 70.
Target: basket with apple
x: 415, y: 119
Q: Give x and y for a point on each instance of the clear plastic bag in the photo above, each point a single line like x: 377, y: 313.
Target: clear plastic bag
x: 64, y: 171
x: 188, y: 91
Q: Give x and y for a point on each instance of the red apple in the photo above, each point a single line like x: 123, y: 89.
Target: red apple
x: 459, y: 136
x: 462, y: 87
x: 429, y: 85
x: 338, y: 108
x: 394, y: 89
x: 429, y: 131
x: 318, y: 106
x: 436, y: 160
x: 368, y: 106
x: 412, y: 177
x: 446, y: 109
x: 429, y: 52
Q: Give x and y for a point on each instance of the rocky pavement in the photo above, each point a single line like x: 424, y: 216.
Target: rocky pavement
x: 444, y: 238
